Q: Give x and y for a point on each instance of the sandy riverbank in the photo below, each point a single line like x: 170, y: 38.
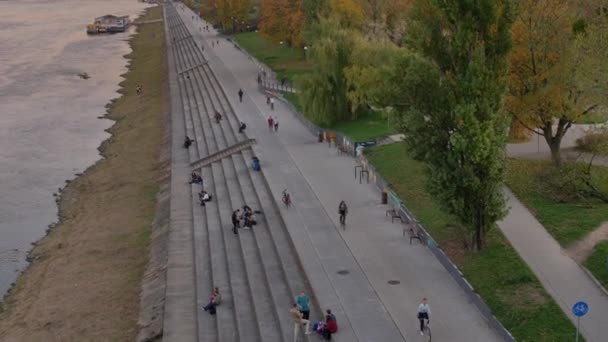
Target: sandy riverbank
x: 84, y: 281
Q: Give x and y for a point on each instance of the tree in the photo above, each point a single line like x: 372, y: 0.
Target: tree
x: 375, y: 62
x: 229, y: 14
x: 323, y: 90
x: 348, y: 13
x: 550, y: 86
x: 448, y: 95
x: 283, y: 20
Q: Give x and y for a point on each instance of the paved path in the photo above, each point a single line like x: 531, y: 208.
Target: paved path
x: 560, y: 275
x: 372, y: 249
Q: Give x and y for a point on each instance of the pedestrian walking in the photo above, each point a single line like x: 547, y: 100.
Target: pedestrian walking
x: 270, y: 123
x: 303, y: 305
x: 241, y: 95
x: 212, y: 44
x: 236, y: 223
x: 276, y: 124
x: 268, y: 99
x: 271, y: 103
x: 298, y: 320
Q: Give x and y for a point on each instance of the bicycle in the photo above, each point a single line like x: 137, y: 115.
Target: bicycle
x: 427, y: 330
x: 286, y: 199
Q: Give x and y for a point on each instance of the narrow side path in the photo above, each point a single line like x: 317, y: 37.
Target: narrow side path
x: 372, y: 249
x: 560, y: 275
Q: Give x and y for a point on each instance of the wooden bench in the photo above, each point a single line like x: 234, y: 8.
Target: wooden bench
x: 413, y: 232
x: 394, y: 214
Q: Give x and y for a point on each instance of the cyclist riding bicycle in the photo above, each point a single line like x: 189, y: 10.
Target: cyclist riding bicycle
x: 424, y: 313
x: 342, y: 210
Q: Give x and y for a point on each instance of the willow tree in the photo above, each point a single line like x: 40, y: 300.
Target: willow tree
x: 448, y: 93
x: 323, y: 91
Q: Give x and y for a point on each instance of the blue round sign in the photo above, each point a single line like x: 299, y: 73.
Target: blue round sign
x: 580, y: 309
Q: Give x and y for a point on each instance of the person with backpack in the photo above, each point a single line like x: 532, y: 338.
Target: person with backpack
x: 331, y: 325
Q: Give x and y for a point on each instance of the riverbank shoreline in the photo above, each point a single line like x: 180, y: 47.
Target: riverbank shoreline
x: 85, y: 276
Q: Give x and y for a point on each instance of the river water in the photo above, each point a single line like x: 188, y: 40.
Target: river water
x: 49, y: 125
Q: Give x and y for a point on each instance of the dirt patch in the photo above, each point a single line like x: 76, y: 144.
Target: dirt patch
x: 524, y: 296
x: 84, y: 280
x: 455, y: 250
x: 582, y: 249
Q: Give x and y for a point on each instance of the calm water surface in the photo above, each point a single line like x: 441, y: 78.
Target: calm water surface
x: 49, y: 126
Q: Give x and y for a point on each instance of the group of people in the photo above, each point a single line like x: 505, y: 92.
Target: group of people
x: 273, y: 123
x: 300, y: 312
x: 247, y: 216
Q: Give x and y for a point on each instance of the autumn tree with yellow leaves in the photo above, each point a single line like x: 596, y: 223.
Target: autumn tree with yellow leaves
x: 283, y: 20
x: 550, y: 89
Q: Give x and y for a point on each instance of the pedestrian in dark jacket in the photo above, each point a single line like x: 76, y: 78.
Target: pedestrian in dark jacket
x: 236, y: 220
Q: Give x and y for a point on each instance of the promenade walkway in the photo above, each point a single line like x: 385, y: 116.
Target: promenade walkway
x: 371, y: 251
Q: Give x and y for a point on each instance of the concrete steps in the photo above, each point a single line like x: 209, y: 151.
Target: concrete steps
x: 226, y: 313
x: 257, y: 271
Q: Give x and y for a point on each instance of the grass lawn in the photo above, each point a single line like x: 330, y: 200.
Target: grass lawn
x: 365, y: 127
x: 285, y: 61
x: 497, y: 273
x: 294, y: 99
x: 597, y: 263
x: 567, y: 222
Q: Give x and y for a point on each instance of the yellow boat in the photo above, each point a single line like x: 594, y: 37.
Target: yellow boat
x: 95, y: 29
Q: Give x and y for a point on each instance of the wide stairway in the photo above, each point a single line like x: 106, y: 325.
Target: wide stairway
x: 257, y: 271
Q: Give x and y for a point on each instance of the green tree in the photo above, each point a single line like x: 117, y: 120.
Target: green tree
x: 448, y: 96
x: 323, y: 91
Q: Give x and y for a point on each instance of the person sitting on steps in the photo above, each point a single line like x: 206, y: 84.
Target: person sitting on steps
x: 188, y: 141
x: 218, y: 117
x: 331, y: 325
x: 214, y: 300
x: 195, y: 178
x: 242, y: 127
x: 203, y: 197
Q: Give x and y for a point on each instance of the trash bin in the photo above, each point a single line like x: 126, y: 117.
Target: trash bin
x: 255, y: 164
x: 384, y: 197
